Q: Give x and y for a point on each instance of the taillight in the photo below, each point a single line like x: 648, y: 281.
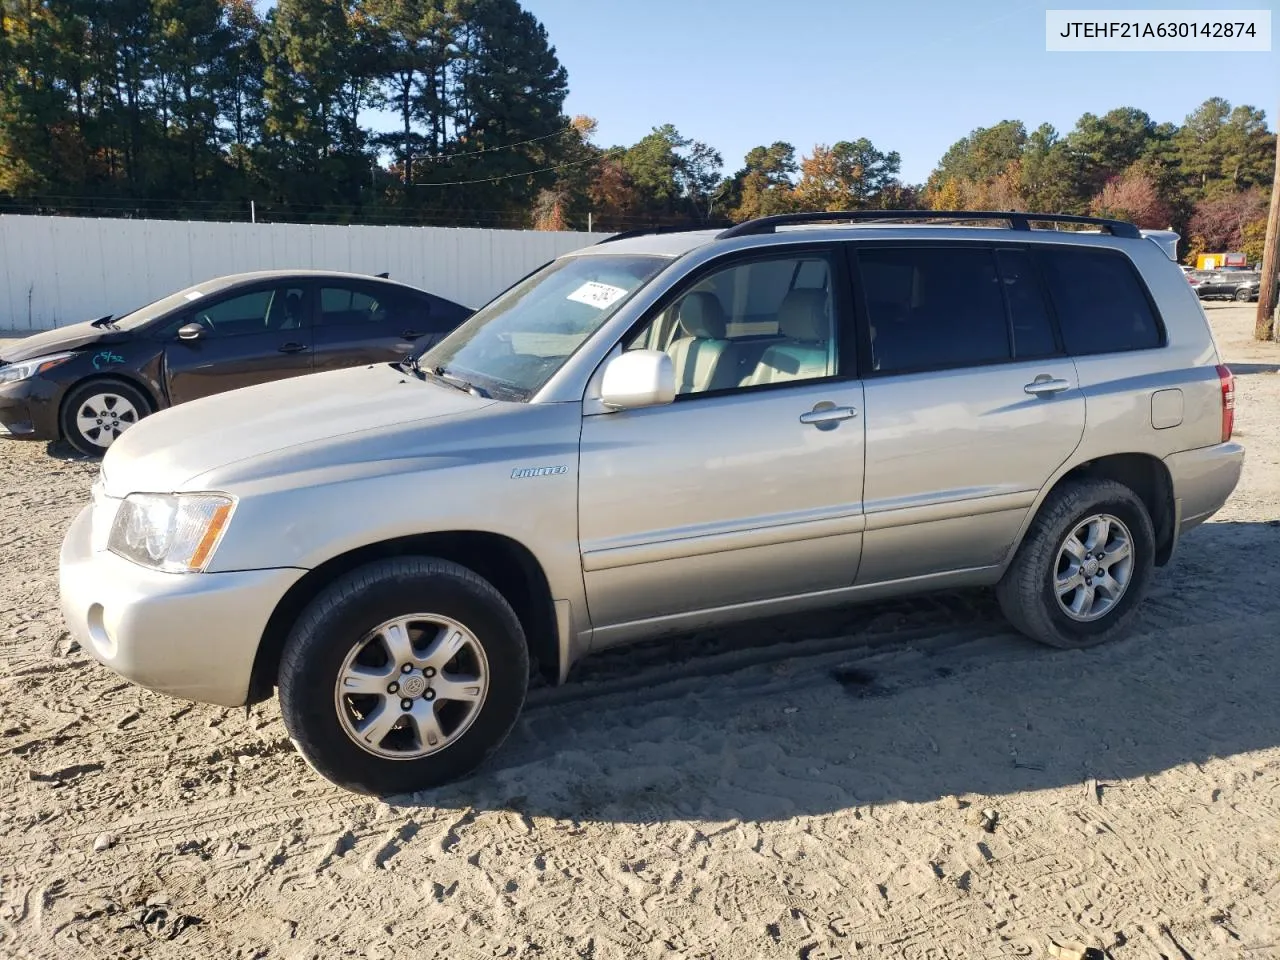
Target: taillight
x: 1228, y: 383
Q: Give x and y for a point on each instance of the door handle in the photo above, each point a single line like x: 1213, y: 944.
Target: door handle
x: 1045, y: 386
x: 292, y: 347
x: 828, y: 414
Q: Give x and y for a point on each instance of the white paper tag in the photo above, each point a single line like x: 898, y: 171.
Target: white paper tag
x: 194, y: 295
x: 599, y: 295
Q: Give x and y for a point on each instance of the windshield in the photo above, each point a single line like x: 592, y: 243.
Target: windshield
x: 513, y: 346
x: 143, y: 315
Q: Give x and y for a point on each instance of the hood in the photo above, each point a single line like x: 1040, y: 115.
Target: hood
x: 56, y: 341
x: 170, y: 448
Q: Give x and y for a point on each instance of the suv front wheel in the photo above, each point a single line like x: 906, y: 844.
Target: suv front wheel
x: 1083, y: 567
x: 402, y: 675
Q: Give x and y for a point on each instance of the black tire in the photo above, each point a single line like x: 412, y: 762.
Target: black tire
x: 116, y: 394
x: 1243, y: 296
x: 332, y: 624
x: 1026, y: 592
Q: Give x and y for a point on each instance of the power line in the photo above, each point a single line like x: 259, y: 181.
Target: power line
x: 472, y: 153
x: 527, y: 173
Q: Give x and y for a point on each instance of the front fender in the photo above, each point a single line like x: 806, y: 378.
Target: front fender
x: 514, y: 476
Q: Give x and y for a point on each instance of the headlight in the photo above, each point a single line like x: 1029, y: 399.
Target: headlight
x: 29, y: 368
x: 176, y: 533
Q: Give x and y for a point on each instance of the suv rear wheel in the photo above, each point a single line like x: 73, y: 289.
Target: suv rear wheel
x: 402, y: 675
x: 1083, y: 567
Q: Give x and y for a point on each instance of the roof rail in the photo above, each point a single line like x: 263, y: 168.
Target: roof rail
x: 646, y: 231
x: 1018, y: 220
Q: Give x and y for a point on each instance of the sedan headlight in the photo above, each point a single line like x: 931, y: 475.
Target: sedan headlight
x: 176, y: 533
x: 23, y: 369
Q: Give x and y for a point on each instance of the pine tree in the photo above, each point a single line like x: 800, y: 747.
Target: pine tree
x: 313, y: 83
x: 763, y: 186
x: 507, y: 100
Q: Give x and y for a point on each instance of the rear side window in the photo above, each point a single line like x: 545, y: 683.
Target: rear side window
x: 933, y: 307
x: 343, y: 305
x: 1101, y: 304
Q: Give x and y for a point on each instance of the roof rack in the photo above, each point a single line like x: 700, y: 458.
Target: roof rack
x: 646, y: 231
x: 1017, y: 220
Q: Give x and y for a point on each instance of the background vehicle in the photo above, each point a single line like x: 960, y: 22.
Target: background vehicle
x: 88, y: 382
x: 1242, y: 285
x: 660, y: 434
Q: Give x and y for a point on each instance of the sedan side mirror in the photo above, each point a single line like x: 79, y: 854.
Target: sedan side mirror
x: 638, y: 378
x: 190, y: 331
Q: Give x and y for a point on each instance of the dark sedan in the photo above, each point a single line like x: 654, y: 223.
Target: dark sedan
x: 1242, y: 285
x: 89, y: 381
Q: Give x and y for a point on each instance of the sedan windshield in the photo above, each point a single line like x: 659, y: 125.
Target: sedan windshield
x: 165, y: 305
x: 513, y: 346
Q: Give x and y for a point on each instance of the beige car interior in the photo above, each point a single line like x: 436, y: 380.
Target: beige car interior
x: 714, y: 348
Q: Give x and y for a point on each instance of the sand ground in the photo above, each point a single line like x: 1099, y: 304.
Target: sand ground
x: 810, y: 788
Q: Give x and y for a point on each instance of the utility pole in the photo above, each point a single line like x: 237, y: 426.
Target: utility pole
x: 1264, y: 324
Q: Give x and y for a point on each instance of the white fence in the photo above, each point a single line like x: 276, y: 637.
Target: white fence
x: 60, y: 270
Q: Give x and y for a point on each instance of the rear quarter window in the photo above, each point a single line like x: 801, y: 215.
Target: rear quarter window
x: 1102, y: 304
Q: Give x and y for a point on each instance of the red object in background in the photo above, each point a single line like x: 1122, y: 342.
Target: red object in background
x: 1235, y: 260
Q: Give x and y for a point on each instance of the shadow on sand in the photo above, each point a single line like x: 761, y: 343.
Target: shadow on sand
x: 909, y: 701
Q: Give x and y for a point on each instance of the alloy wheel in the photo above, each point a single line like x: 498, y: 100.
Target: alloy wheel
x: 411, y: 686
x: 1094, y: 567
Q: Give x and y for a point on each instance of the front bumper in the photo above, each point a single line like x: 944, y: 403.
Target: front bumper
x: 1203, y: 479
x: 28, y: 410
x: 188, y: 635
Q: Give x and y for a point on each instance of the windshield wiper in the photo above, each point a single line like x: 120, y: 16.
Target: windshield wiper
x: 455, y: 381
x: 409, y: 364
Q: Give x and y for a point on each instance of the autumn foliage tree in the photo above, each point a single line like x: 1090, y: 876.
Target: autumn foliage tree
x: 1196, y: 177
x: 1132, y: 196
x: 194, y: 108
x: 850, y: 175
x: 1224, y: 222
x: 613, y: 195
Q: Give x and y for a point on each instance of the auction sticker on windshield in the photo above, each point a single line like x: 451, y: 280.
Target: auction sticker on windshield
x: 595, y: 294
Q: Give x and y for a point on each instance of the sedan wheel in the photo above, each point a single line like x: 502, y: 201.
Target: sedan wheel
x: 104, y: 416
x: 94, y: 414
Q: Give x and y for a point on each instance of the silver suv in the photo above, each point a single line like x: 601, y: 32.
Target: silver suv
x: 659, y: 433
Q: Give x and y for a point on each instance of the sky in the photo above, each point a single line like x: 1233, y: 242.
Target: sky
x: 910, y: 75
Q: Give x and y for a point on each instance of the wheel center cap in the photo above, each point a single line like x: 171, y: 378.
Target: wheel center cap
x: 1090, y: 567
x: 413, y: 686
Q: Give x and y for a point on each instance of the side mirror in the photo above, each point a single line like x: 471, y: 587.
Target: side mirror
x: 190, y: 331
x: 638, y: 378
